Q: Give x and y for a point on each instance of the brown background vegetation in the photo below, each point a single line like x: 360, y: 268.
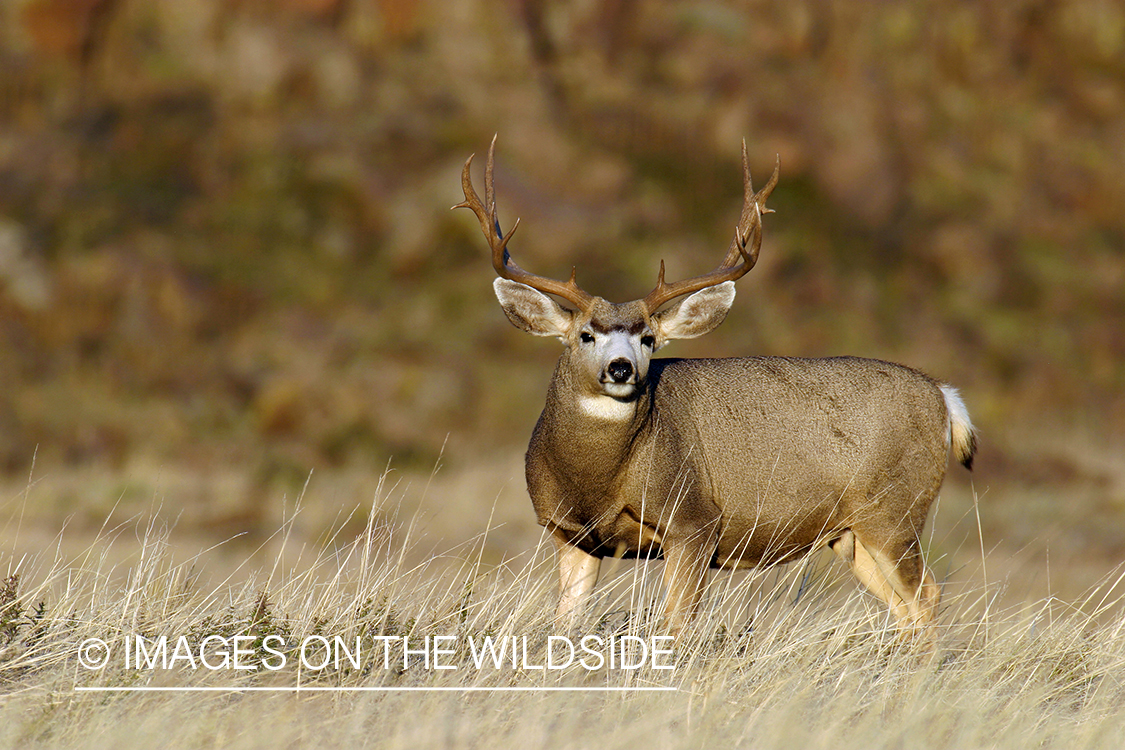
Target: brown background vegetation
x: 227, y: 256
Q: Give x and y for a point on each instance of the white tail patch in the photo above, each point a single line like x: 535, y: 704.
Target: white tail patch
x: 607, y: 408
x: 962, y: 434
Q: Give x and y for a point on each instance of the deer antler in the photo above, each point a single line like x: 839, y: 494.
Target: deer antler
x: 749, y: 230
x: 502, y: 261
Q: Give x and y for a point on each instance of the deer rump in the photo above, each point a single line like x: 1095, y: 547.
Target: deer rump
x: 776, y: 455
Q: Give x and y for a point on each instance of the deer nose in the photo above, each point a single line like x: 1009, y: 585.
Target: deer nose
x: 620, y: 370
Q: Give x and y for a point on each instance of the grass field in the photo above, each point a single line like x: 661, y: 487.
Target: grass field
x: 795, y: 656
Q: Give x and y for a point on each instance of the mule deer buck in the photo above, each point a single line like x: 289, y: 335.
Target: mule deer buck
x: 722, y: 463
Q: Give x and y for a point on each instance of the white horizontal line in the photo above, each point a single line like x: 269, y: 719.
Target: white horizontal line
x: 368, y: 689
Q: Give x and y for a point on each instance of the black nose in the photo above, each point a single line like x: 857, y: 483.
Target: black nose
x: 620, y: 370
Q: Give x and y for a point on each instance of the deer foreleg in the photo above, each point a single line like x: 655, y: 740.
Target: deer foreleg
x: 685, y: 573
x: 578, y: 573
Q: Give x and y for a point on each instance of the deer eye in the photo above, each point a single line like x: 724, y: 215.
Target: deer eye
x: 586, y: 337
x: 648, y: 341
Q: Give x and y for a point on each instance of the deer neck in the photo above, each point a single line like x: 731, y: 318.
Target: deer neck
x: 590, y: 434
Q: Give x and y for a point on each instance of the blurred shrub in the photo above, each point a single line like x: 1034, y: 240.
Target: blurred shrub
x: 225, y: 236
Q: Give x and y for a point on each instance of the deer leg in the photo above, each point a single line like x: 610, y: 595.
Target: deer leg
x: 907, y: 573
x: 578, y: 573
x: 867, y: 570
x: 902, y: 582
x: 685, y: 572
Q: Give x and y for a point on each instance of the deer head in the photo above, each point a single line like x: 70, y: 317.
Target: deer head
x: 609, y: 345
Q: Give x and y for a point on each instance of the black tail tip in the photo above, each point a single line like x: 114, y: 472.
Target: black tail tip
x: 967, y: 461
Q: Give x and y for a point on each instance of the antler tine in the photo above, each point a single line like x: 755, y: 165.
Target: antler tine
x: 747, y: 215
x: 489, y: 187
x: 502, y: 261
x: 748, y: 231
x: 754, y: 205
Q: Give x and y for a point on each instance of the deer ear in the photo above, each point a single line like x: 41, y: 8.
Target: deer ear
x: 531, y: 310
x: 698, y: 314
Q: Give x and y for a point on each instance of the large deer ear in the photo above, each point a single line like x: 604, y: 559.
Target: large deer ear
x: 698, y: 314
x: 531, y: 310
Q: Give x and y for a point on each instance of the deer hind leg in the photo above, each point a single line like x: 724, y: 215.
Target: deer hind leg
x: 578, y: 574
x: 867, y: 570
x: 915, y: 591
x: 907, y: 572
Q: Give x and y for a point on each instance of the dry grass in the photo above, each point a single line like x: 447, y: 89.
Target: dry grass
x: 783, y: 657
